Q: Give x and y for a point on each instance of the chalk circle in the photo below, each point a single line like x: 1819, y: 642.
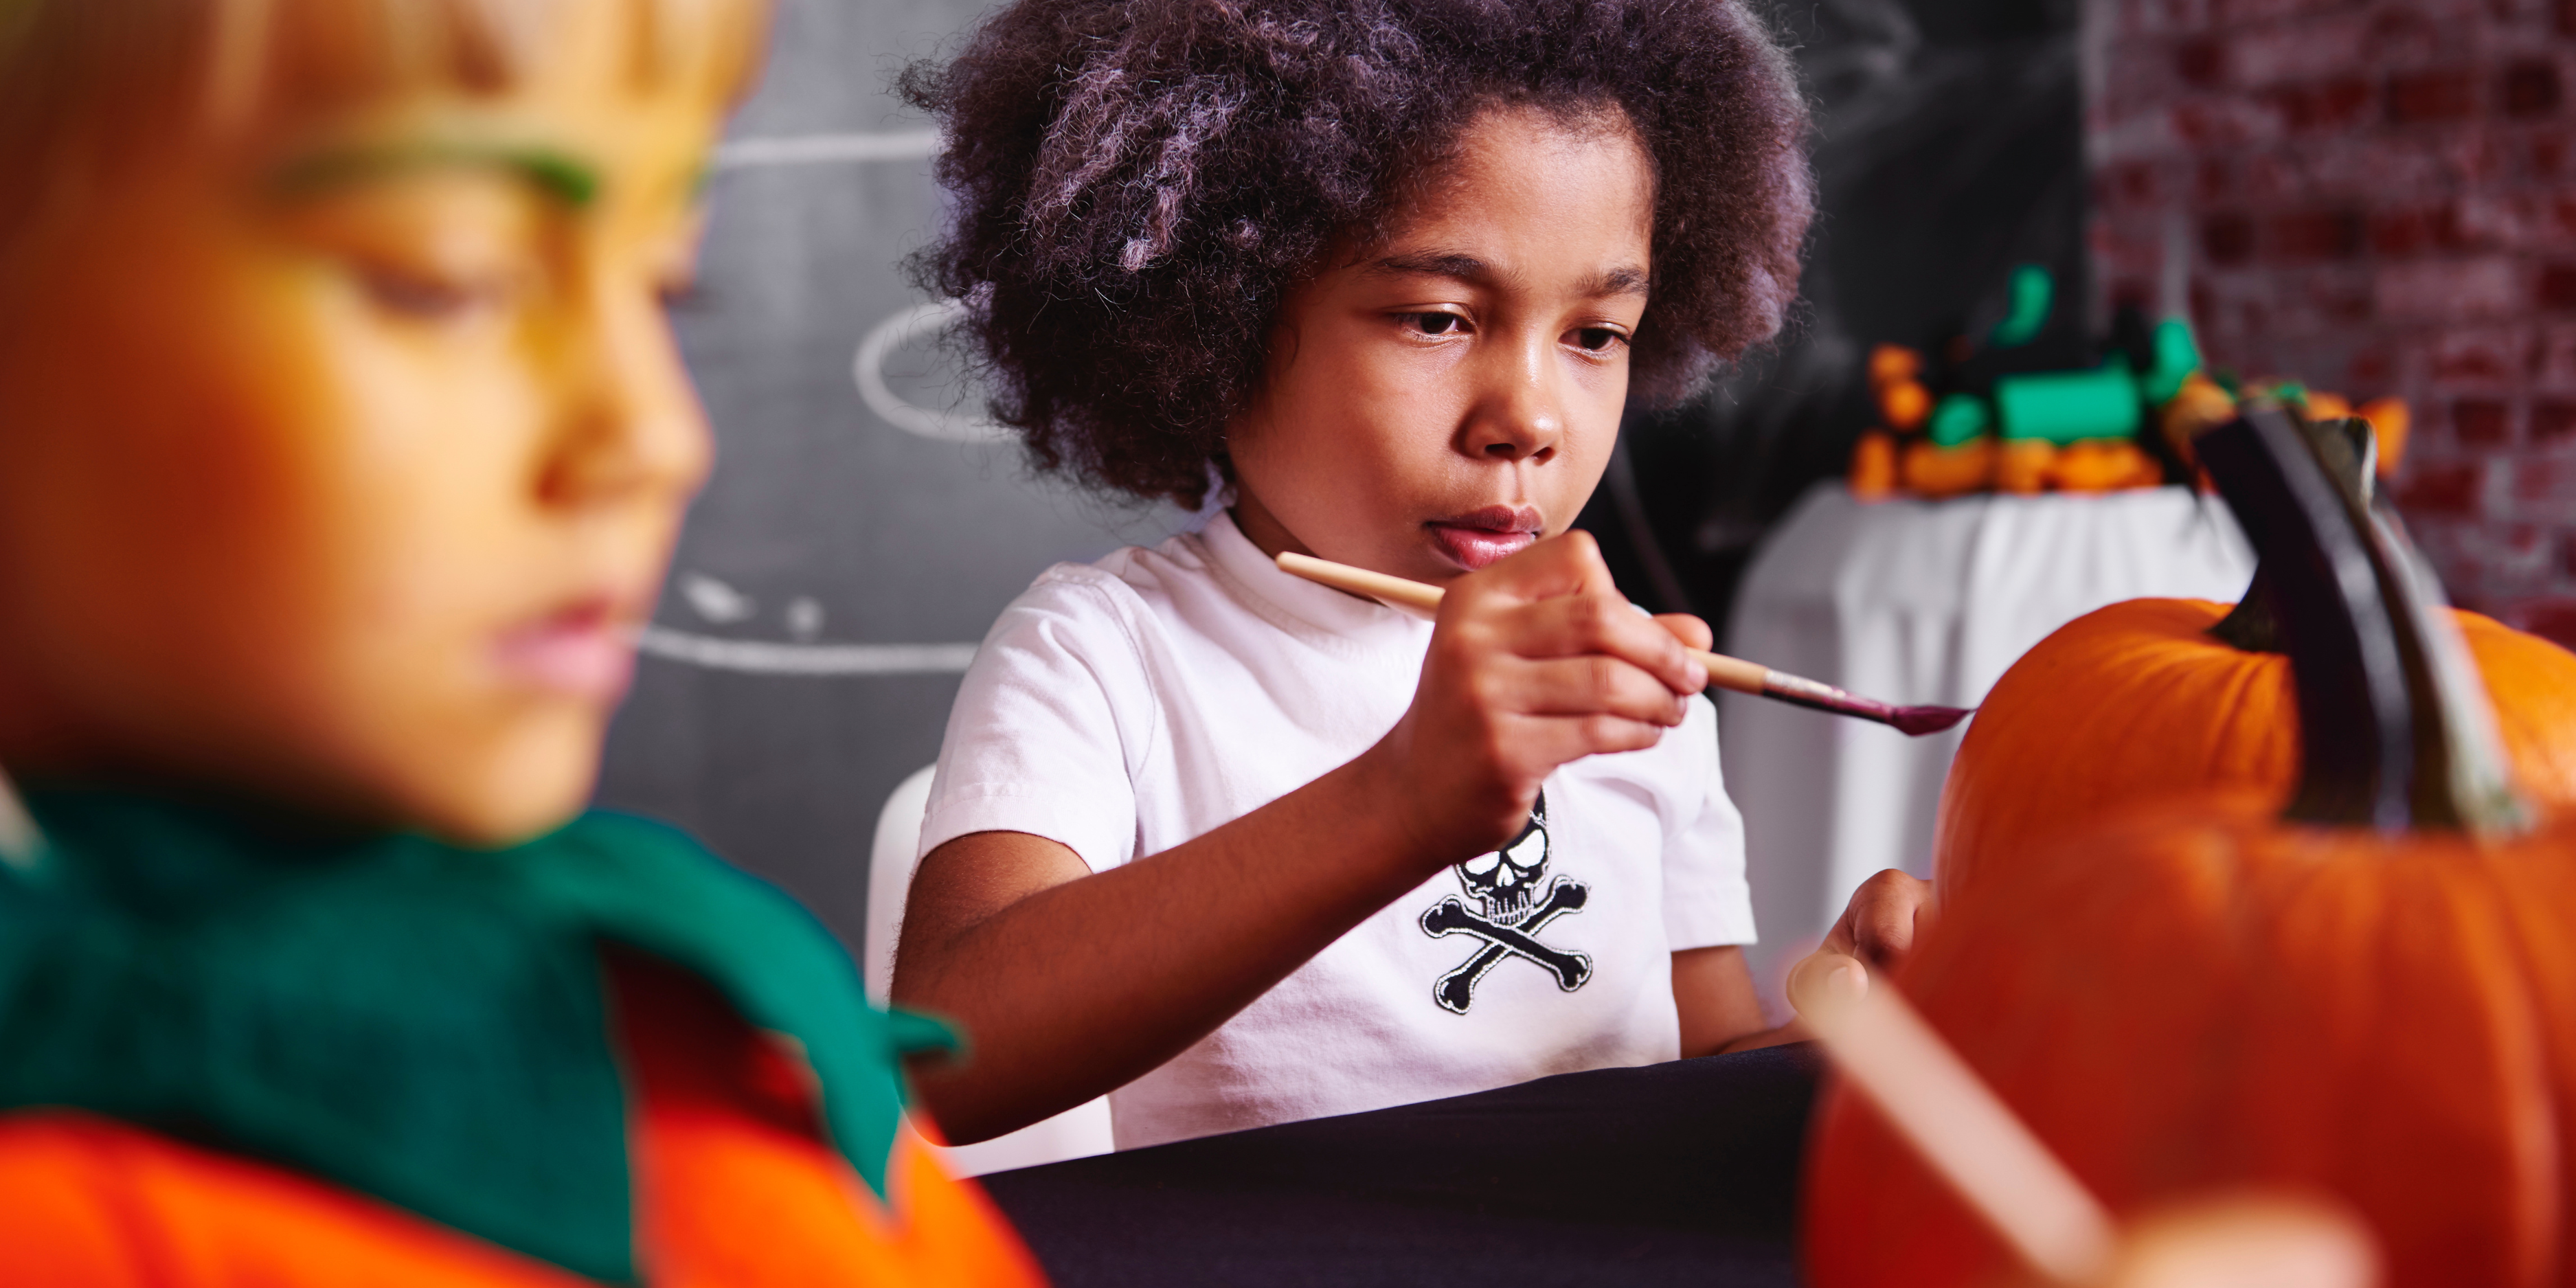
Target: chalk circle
x: 868, y: 370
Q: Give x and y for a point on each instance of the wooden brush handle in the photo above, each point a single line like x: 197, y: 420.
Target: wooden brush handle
x: 1723, y: 671
x: 1735, y: 673
x: 1360, y: 581
x: 1954, y: 1121
x: 22, y: 844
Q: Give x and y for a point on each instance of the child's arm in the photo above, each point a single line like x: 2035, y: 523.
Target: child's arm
x: 1719, y: 1007
x: 1713, y: 991
x: 1071, y: 984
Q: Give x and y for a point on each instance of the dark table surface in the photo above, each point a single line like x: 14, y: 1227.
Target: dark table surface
x: 1674, y: 1173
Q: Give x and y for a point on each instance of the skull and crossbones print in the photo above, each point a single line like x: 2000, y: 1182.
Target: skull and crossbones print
x: 1509, y: 914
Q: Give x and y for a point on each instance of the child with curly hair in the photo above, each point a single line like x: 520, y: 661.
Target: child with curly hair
x: 1241, y: 849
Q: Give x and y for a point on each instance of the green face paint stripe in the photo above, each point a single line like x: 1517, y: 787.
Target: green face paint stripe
x: 569, y: 181
x: 557, y: 175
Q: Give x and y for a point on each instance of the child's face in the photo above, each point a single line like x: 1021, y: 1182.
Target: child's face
x: 1443, y: 398
x: 338, y: 465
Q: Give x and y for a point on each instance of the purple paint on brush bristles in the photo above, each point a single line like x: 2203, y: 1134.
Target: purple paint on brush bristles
x: 1914, y: 722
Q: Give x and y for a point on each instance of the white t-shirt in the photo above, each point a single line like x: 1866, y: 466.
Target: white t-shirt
x: 1128, y: 706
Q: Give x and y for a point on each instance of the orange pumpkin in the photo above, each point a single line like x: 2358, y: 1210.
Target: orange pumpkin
x: 2375, y: 999
x: 1873, y: 467
x: 2104, y: 466
x: 2138, y: 702
x: 1905, y: 404
x: 2022, y: 465
x: 2389, y: 421
x: 2141, y: 701
x: 1929, y: 469
x: 1891, y: 363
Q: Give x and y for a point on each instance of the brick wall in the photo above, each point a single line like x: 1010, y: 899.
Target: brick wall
x: 2376, y: 197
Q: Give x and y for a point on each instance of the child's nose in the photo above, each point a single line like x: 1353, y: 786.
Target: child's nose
x: 1520, y: 414
x: 631, y: 425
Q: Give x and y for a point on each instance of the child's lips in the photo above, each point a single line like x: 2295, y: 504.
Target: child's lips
x: 1474, y: 548
x: 583, y: 651
x: 1486, y: 537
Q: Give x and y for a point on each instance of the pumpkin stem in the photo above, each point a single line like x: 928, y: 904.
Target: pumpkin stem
x: 2395, y: 729
x: 2350, y: 452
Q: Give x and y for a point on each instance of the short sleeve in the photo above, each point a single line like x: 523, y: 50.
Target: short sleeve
x: 1706, y: 901
x: 1053, y: 713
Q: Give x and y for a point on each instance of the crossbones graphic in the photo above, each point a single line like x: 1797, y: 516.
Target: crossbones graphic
x: 1509, y: 920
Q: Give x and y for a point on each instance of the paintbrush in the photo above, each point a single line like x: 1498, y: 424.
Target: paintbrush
x: 1723, y: 671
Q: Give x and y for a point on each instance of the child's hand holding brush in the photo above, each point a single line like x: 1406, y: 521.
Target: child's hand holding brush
x: 1536, y: 661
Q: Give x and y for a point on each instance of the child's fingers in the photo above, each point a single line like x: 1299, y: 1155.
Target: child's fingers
x: 1885, y: 913
x: 1885, y: 934
x: 1558, y: 740
x: 1691, y: 631
x: 1569, y: 563
x: 1603, y: 626
x: 1594, y: 683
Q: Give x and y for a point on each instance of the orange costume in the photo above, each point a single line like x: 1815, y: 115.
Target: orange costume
x: 733, y: 1170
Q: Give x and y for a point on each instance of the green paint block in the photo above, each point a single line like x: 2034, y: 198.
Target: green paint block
x: 2177, y: 357
x: 2033, y: 291
x: 1958, y: 418
x: 2064, y: 407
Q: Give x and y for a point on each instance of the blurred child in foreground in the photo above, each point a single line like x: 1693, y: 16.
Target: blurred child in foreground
x: 342, y: 444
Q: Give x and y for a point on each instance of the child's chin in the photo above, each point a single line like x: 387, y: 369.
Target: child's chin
x: 515, y: 794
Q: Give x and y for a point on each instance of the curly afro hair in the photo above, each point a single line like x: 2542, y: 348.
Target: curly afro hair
x: 1139, y: 183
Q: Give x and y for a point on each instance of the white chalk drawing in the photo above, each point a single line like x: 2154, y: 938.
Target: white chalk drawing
x: 867, y: 369
x: 719, y: 603
x: 714, y: 600
x: 827, y: 149
x: 767, y: 657
x: 805, y: 619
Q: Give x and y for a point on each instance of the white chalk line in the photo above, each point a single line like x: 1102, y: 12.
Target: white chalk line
x: 767, y: 657
x: 867, y: 368
x: 827, y: 149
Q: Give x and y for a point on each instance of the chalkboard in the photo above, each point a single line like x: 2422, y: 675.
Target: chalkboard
x: 856, y: 539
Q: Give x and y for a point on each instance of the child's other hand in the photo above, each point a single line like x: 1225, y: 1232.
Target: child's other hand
x: 1536, y: 661
x: 1880, y: 924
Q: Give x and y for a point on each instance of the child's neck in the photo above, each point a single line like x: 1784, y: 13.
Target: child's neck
x: 1262, y: 528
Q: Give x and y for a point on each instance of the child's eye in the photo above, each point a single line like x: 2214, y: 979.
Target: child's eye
x: 684, y: 295
x: 429, y: 297
x: 1435, y: 323
x: 1598, y: 339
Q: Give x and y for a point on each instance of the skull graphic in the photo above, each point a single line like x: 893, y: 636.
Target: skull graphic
x: 1506, y: 881
x: 1505, y: 886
